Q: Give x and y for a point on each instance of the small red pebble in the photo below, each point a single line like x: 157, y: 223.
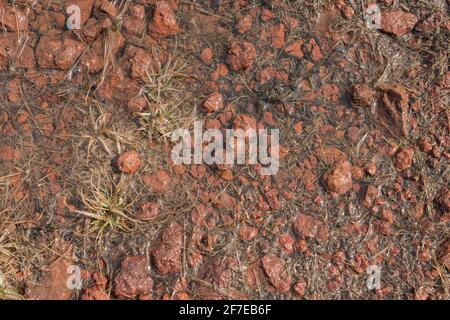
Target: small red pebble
x: 371, y: 169
x: 266, y: 15
x: 213, y: 103
x: 206, y: 55
x: 298, y: 127
x: 248, y: 232
x: 129, y: 162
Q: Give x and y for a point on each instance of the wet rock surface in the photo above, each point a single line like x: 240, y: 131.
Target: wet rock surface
x: 58, y: 51
x: 403, y: 158
x: 163, y: 23
x: 241, y: 55
x: 167, y: 256
x: 339, y: 178
x: 86, y: 121
x: 310, y: 227
x: 397, y: 22
x: 133, y: 278
x: 275, y: 270
x: 213, y: 102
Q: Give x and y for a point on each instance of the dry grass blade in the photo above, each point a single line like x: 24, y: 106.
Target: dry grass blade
x: 7, y: 292
x: 106, y: 203
x: 101, y: 132
x: 8, y: 263
x: 167, y: 108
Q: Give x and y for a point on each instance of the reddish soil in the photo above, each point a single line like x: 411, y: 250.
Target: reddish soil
x: 87, y: 182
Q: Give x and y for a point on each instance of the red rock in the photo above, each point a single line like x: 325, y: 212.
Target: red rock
x: 388, y: 216
x: 98, y: 290
x: 266, y: 15
x: 277, y: 34
x: 291, y: 22
x: 163, y: 23
x: 224, y: 200
x: 93, y: 28
x: 133, y: 279
x: 418, y: 211
x: 45, y: 123
x: 181, y: 296
x: 218, y: 271
x: 443, y: 200
x: 95, y: 294
x: 117, y: 86
x: 53, y: 284
x: 129, y: 162
x: 244, y: 122
x: 8, y: 153
x: 393, y: 108
x: 157, y: 182
x: 397, y: 21
x: 109, y: 7
x: 444, y: 254
x: 13, y: 88
x: 268, y: 118
x: 212, y: 124
x: 425, y: 145
x: 370, y: 197
x: 21, y: 55
x: 93, y: 60
x: 134, y: 23
x: 275, y: 270
x: 314, y: 50
x: 382, y: 227
x: 295, y: 49
x: 347, y: 11
x: 137, y: 104
x: 195, y: 259
x: 148, y: 211
x: 339, y: 178
x: 432, y: 22
x: 244, y: 23
x: 360, y: 263
x: 423, y: 293
x: 300, y: 288
x: 206, y: 55
x: 362, y: 95
x: 213, y: 103
x: 226, y: 174
x: 310, y: 227
x: 55, y: 51
x: 355, y: 229
x: 241, y: 55
x: 404, y: 158
x: 286, y: 243
x: 298, y: 127
x: 247, y: 232
x: 85, y: 8
x: 167, y: 256
x: 48, y: 21
x: 329, y: 155
x: 272, y: 199
x: 142, y: 62
x: 198, y: 214
x: 221, y: 71
x: 371, y: 169
x: 13, y: 19
x: 266, y: 74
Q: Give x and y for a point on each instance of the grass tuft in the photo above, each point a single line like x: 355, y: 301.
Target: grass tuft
x: 167, y: 101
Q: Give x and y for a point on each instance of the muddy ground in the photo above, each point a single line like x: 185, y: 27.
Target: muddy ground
x: 88, y: 190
